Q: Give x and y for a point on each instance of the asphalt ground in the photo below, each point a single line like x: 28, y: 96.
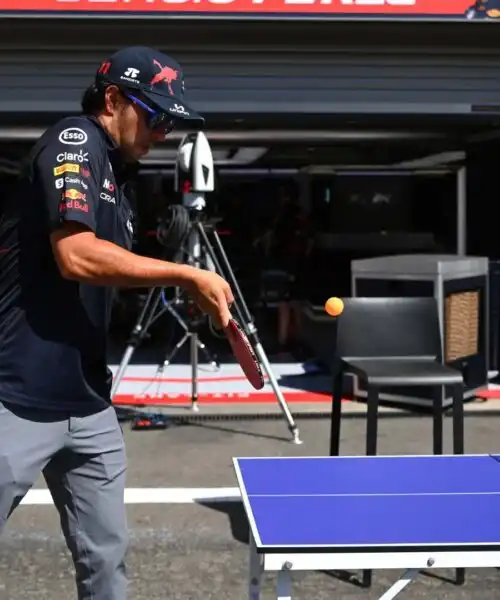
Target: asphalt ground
x: 200, y: 552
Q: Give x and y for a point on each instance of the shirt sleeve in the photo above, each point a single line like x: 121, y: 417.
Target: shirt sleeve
x: 67, y: 174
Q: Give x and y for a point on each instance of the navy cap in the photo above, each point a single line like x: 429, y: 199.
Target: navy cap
x: 158, y: 77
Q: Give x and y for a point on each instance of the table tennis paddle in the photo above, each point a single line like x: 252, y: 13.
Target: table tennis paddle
x: 245, y: 354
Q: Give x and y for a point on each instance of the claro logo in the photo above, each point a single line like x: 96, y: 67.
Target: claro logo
x: 81, y: 157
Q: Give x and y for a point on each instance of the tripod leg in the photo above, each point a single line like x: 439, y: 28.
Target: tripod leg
x: 225, y: 271
x: 292, y: 426
x: 247, y: 322
x: 170, y: 356
x: 177, y: 317
x: 210, y: 359
x: 201, y: 345
x: 137, y: 335
x: 163, y: 366
x: 194, y: 372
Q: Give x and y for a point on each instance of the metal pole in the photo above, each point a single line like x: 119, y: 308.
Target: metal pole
x: 462, y: 211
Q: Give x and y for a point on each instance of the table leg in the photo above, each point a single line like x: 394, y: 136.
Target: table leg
x: 255, y: 571
x: 284, y: 586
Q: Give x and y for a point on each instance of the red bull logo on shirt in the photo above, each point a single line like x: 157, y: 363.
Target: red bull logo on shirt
x: 75, y: 195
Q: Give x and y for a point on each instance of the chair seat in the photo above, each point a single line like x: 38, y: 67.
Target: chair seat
x: 394, y: 372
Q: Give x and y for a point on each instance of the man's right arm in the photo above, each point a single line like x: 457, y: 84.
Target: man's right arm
x: 71, y: 195
x: 83, y: 257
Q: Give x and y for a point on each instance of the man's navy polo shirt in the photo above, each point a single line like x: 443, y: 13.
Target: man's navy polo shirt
x: 53, y: 331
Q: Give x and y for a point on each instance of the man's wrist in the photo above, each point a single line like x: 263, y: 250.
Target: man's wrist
x: 183, y: 276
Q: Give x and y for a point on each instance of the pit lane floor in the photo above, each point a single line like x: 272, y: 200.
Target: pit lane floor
x: 197, y: 551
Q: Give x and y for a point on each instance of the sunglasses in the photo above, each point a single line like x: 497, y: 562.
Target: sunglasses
x: 155, y: 119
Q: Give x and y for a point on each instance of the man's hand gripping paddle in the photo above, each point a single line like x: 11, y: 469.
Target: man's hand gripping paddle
x: 245, y: 355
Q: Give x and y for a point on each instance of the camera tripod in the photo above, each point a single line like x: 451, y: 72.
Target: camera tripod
x: 194, y: 176
x: 198, y: 245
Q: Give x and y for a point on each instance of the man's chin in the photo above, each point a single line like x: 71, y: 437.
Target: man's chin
x: 136, y: 153
x: 143, y: 151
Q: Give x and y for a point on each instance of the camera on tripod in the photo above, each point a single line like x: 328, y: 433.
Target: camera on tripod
x: 194, y: 177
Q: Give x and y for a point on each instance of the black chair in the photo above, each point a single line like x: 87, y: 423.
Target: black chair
x: 394, y: 342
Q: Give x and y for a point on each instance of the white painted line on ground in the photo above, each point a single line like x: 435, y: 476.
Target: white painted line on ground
x: 154, y: 496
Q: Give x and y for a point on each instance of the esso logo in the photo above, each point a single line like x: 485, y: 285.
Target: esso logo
x: 74, y: 136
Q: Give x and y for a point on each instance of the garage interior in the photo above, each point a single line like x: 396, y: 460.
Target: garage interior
x: 330, y: 109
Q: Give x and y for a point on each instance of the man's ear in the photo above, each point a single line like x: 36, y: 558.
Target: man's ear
x: 112, y: 99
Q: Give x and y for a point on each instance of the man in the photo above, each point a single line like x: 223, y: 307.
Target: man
x: 65, y: 242
x: 287, y: 246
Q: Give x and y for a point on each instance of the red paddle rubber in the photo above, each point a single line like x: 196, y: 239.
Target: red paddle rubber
x: 245, y: 355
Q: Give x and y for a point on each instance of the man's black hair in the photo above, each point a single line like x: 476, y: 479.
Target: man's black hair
x: 93, y: 99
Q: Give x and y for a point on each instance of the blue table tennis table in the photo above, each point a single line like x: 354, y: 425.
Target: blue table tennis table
x: 377, y: 512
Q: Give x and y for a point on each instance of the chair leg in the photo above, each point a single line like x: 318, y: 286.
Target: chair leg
x: 371, y: 446
x: 437, y: 420
x: 372, y: 420
x: 458, y: 419
x: 336, y: 414
x: 460, y: 577
x: 366, y: 580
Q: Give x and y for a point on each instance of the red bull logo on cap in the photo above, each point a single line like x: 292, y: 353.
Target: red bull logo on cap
x: 166, y: 74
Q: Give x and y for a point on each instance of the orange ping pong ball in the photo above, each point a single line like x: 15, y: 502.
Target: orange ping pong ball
x: 334, y: 306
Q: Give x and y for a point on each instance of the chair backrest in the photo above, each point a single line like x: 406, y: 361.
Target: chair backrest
x: 389, y: 328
